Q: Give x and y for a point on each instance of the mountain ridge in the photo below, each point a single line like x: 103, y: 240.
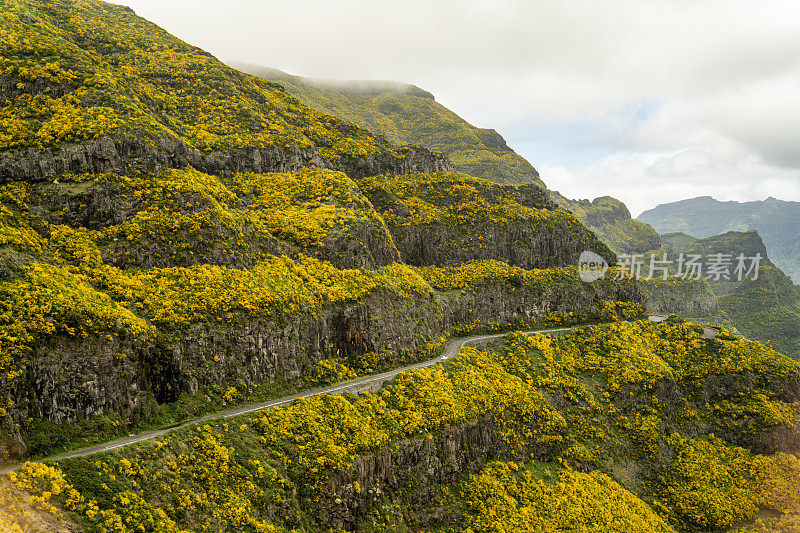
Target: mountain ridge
x: 407, y: 117
x: 702, y: 217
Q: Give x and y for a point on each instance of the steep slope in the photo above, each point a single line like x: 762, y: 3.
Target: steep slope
x: 407, y: 114
x: 176, y: 236
x: 626, y: 427
x: 775, y: 220
x: 678, y: 241
x: 691, y: 298
x: 91, y: 87
x: 732, y: 243
x: 439, y: 219
x: 611, y: 221
x: 766, y: 309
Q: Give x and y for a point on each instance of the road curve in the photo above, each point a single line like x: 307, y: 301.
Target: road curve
x: 451, y: 349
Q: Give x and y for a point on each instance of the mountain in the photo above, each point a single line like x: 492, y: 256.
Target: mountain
x: 631, y: 426
x: 180, y: 239
x: 129, y: 96
x: 766, y: 309
x: 734, y: 243
x: 211, y: 232
x: 611, y: 221
x: 775, y: 220
x: 407, y: 114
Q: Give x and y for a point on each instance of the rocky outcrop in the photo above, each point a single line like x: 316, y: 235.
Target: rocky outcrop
x: 484, y: 223
x: 125, y: 155
x: 70, y: 378
x: 502, y: 302
x: 365, y: 245
x: 690, y: 298
x: 414, y: 466
x: 522, y: 245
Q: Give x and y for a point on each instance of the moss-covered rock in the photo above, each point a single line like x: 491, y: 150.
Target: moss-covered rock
x: 447, y: 218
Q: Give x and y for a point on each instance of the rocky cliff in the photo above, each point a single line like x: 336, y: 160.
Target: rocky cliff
x: 614, y: 416
x: 171, y: 228
x: 127, y: 155
x: 407, y: 114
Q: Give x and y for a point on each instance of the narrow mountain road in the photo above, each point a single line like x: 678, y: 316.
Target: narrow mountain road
x: 451, y: 349
x: 708, y: 333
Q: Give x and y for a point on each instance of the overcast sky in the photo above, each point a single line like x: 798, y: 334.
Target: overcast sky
x: 646, y: 101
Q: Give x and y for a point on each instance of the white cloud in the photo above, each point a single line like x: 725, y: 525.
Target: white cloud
x: 680, y: 94
x: 644, y: 179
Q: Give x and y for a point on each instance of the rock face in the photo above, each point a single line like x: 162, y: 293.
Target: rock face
x: 499, y: 303
x: 691, y: 298
x: 611, y: 220
x: 519, y: 245
x: 70, y: 379
x: 775, y: 220
x: 127, y: 155
x: 445, y: 219
x: 412, y: 470
x: 414, y: 467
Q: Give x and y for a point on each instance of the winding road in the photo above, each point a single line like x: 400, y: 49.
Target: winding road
x: 451, y: 349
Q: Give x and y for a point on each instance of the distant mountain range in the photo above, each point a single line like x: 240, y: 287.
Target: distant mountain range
x: 775, y: 220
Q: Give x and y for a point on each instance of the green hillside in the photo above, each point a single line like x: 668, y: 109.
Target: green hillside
x: 179, y: 239
x: 216, y: 241
x: 135, y: 97
x: 766, y: 309
x: 407, y: 114
x: 732, y: 243
x: 611, y: 221
x: 678, y: 241
x: 627, y: 427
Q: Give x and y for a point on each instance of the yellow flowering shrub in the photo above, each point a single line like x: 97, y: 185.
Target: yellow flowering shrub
x: 450, y: 198
x: 50, y: 300
x: 303, y: 207
x: 79, y: 71
x: 325, y: 433
x: 559, y: 403
x: 15, y: 513
x: 510, y: 498
x: 472, y: 275
x: 327, y: 371
x: 470, y: 218
x: 712, y: 485
x: 175, y: 297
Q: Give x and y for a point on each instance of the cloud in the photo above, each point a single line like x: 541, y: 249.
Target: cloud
x: 699, y: 86
x: 644, y: 179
